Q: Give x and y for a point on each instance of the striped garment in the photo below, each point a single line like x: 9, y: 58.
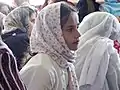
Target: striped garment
x: 9, y: 76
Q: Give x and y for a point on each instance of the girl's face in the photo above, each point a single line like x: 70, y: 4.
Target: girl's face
x: 70, y: 32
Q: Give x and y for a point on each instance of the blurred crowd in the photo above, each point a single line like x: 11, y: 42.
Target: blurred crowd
x: 60, y: 45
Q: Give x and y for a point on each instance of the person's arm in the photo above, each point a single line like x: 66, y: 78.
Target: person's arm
x: 9, y: 76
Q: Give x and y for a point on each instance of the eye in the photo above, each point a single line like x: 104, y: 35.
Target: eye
x: 70, y: 29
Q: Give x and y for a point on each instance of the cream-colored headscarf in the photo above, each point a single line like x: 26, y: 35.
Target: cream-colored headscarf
x: 18, y: 18
x: 21, y: 2
x: 93, y: 54
x: 2, y: 16
x: 46, y: 37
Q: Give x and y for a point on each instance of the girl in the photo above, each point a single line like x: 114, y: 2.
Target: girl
x: 53, y: 37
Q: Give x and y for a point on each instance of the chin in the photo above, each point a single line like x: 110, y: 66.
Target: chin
x: 73, y: 49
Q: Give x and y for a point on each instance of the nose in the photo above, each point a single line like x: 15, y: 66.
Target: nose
x: 77, y: 34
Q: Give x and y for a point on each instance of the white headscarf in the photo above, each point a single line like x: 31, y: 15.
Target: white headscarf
x: 2, y: 16
x: 46, y: 37
x: 18, y: 18
x: 92, y: 56
x: 21, y: 2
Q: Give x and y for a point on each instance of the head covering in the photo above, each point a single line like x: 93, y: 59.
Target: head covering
x: 2, y: 16
x: 21, y: 2
x: 5, y: 8
x: 18, y: 18
x: 93, y: 54
x: 111, y: 6
x: 85, y: 7
x: 46, y: 37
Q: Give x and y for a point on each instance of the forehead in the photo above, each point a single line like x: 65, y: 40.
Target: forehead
x: 73, y: 19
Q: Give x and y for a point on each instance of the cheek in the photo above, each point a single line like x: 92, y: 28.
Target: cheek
x: 68, y: 39
x: 65, y: 37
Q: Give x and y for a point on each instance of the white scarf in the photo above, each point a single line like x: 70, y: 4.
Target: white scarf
x: 92, y: 56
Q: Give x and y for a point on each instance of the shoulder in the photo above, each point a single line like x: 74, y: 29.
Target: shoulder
x: 42, y: 61
x: 14, y: 33
x: 38, y: 69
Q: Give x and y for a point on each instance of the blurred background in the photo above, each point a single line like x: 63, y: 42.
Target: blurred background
x: 32, y: 2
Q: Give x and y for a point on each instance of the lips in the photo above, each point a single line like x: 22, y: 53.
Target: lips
x: 76, y: 42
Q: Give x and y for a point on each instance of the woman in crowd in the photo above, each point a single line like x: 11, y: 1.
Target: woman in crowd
x: 53, y: 37
x: 97, y: 62
x: 17, y: 28
x: 47, y: 2
x: 9, y: 75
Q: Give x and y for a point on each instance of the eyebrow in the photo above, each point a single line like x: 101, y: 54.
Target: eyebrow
x: 74, y: 25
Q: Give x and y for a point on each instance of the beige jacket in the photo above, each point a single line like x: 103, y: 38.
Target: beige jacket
x: 43, y: 73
